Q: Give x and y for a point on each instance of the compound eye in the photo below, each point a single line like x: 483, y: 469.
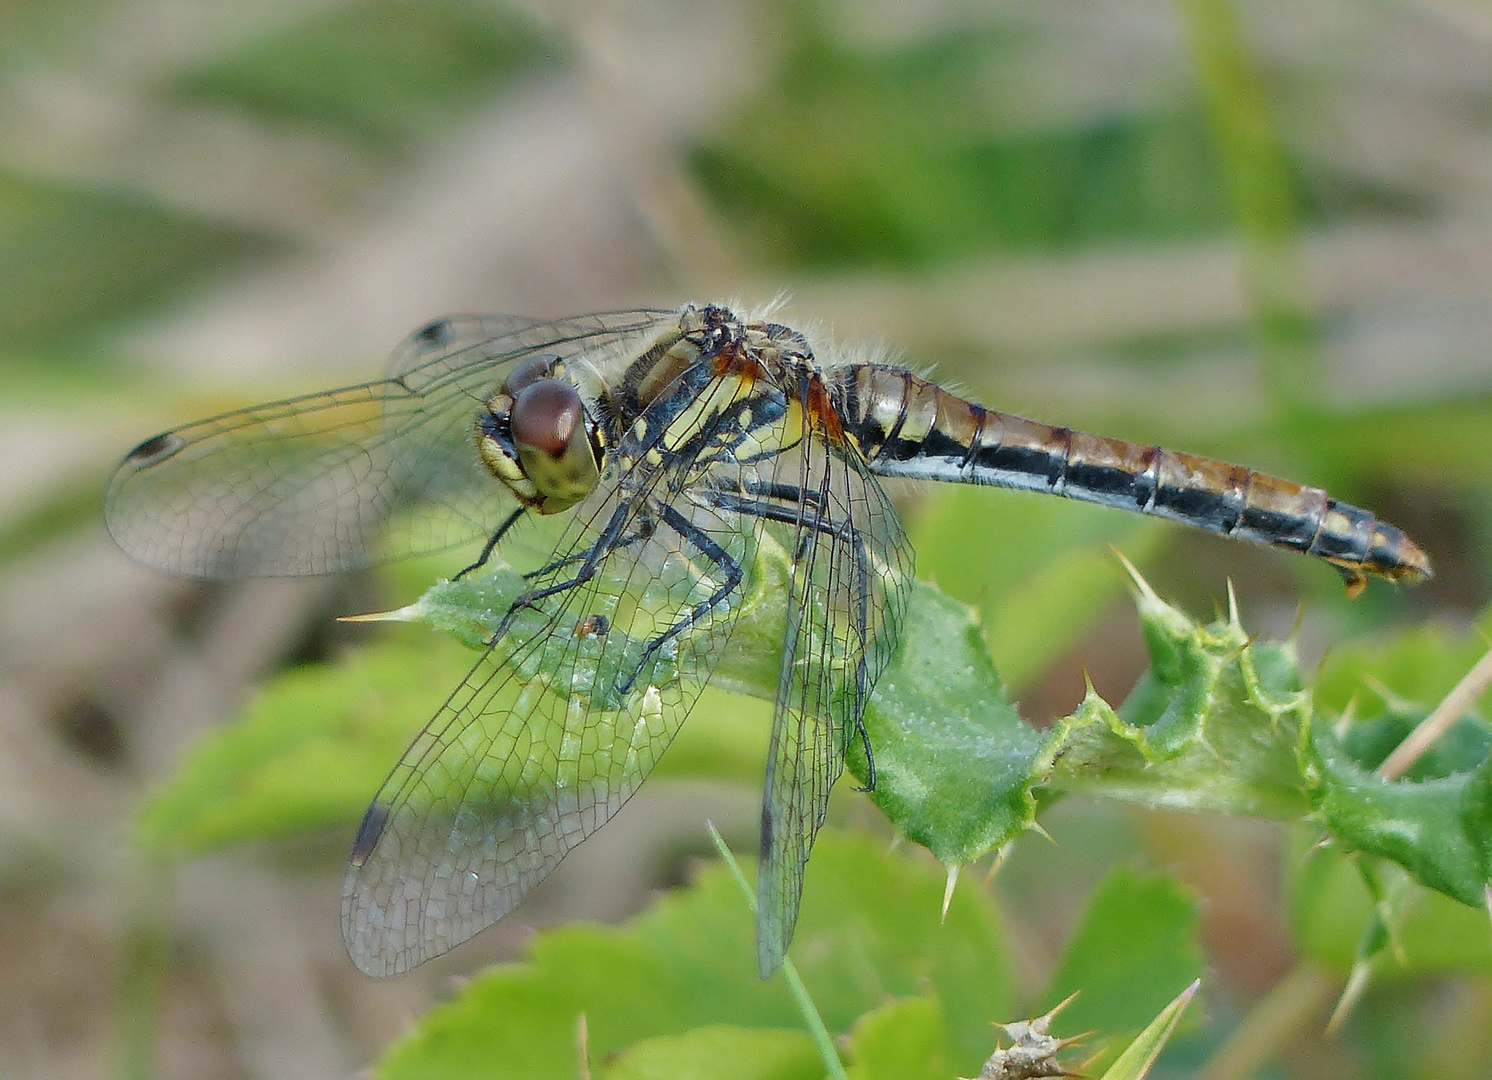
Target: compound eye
x: 529, y: 372
x: 546, y: 414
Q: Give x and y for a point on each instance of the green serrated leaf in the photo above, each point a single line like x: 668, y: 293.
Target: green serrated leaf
x: 309, y: 752
x: 1134, y: 945
x: 903, y: 1039
x: 952, y: 756
x: 1439, y: 830
x: 1214, y: 724
x: 869, y: 929
x: 718, y: 1052
x: 1218, y: 722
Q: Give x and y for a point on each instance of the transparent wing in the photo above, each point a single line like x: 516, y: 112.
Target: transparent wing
x: 342, y: 479
x: 599, y: 659
x: 851, y: 576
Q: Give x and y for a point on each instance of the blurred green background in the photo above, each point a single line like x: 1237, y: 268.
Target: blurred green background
x: 1260, y: 232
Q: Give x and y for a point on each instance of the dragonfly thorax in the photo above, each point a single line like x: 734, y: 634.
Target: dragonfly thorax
x: 537, y: 437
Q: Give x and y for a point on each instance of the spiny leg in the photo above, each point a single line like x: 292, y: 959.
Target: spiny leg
x: 604, y: 545
x: 645, y: 529
x: 492, y: 542
x: 707, y: 547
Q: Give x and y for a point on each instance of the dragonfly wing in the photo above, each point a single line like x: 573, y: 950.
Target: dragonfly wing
x: 851, y: 575
x: 506, y: 779
x: 344, y: 479
x: 598, y: 662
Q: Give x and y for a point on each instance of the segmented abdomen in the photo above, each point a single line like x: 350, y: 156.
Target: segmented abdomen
x: 907, y: 426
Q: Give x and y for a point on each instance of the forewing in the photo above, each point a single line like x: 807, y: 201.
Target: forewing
x: 851, y: 575
x: 343, y: 479
x: 557, y: 724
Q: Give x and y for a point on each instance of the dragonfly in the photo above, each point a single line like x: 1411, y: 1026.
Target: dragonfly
x: 667, y: 449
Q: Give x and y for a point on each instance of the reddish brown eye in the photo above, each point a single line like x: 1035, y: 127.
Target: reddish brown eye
x: 545, y: 416
x: 530, y: 371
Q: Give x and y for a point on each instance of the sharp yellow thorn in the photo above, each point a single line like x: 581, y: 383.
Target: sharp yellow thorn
x: 408, y: 613
x: 1345, y: 721
x: 1233, y: 605
x: 1298, y: 621
x: 996, y: 863
x: 948, y: 892
x: 1357, y: 982
x: 1055, y: 1009
x: 1035, y: 827
x: 1134, y: 574
x: 1381, y: 689
x: 583, y: 1045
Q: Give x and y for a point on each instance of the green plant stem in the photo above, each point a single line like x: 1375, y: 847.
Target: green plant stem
x: 1273, y: 1024
x: 141, y: 976
x: 816, y: 1029
x: 1253, y: 164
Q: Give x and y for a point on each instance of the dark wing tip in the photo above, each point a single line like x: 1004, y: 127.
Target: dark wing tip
x: 155, y: 450
x: 369, y: 832
x: 435, y: 334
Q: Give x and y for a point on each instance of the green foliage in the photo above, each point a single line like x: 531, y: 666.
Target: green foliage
x: 1214, y: 724
x: 718, y: 1052
x: 1387, y: 680
x: 316, y: 742
x: 904, y: 1039
x: 1337, y: 912
x: 1059, y: 577
x: 78, y: 256
x: 308, y: 752
x: 380, y: 71
x: 1219, y: 722
x: 1134, y: 946
x: 899, y: 157
x: 1440, y: 830
x: 674, y: 989
x: 906, y: 155
x: 1139, y: 1055
x: 952, y: 756
x: 869, y: 930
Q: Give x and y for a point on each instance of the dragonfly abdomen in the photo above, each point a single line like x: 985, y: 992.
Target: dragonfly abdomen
x: 907, y: 426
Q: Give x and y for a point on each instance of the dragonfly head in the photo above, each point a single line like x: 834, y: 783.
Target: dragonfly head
x: 537, y: 437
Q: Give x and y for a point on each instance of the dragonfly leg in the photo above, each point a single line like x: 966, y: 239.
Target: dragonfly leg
x: 492, y: 542
x: 788, y: 511
x: 644, y: 531
x: 707, y: 547
x: 592, y: 556
x: 788, y: 493
x: 784, y: 506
